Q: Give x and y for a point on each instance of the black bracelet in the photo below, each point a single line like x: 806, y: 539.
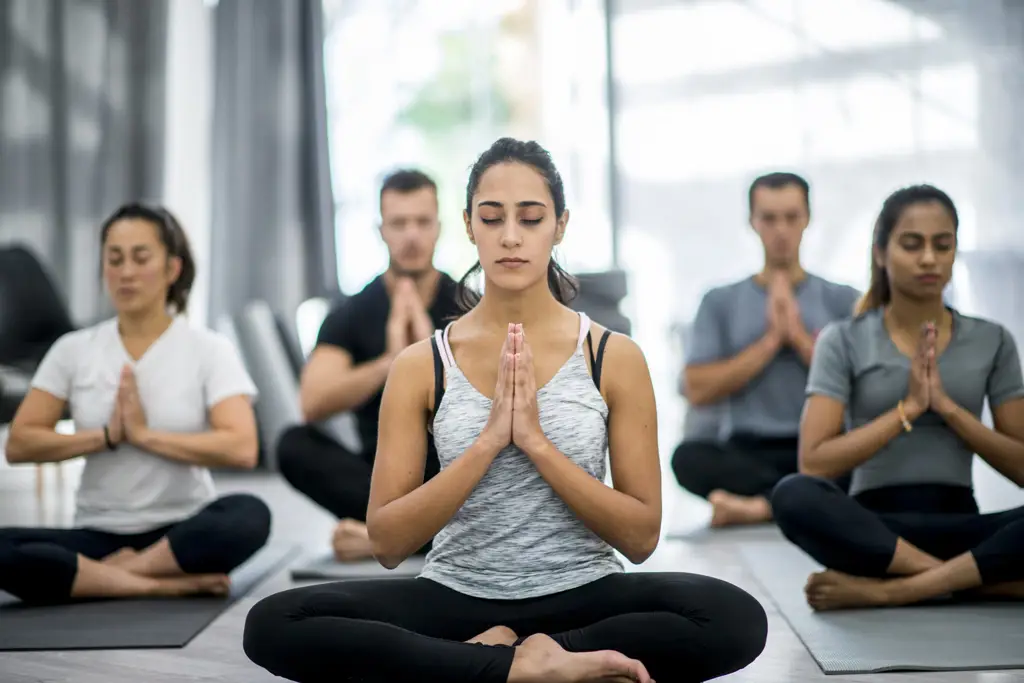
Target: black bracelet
x: 106, y: 437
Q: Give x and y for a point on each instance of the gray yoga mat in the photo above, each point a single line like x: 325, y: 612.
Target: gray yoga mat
x: 130, y: 623
x: 325, y: 567
x: 936, y: 637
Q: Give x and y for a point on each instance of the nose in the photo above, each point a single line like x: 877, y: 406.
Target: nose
x: 928, y: 256
x: 510, y: 235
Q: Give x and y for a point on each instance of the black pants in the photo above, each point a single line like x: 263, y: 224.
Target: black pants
x: 857, y: 535
x: 332, y: 476
x: 682, y: 627
x: 39, y: 565
x: 746, y: 466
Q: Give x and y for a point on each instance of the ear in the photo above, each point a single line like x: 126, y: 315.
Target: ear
x: 878, y: 256
x: 560, y: 226
x: 469, y: 226
x: 173, y: 269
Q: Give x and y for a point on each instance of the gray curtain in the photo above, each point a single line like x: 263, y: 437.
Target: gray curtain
x: 273, y: 227
x: 81, y: 128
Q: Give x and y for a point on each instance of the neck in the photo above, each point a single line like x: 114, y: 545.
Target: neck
x: 530, y: 307
x: 426, y: 282
x: 795, y: 272
x: 910, y: 315
x: 144, y: 324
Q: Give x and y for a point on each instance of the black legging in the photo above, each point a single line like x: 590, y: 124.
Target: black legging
x: 682, y: 627
x: 857, y: 535
x: 39, y: 565
x: 743, y: 465
x: 331, y: 475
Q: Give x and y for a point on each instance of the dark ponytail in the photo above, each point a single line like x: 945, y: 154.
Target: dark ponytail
x: 880, y: 290
x: 563, y: 286
x: 175, y: 241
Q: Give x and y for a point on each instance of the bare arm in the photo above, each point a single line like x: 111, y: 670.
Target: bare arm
x: 1002, y: 447
x: 803, y: 343
x: 826, y: 452
x: 711, y: 382
x: 330, y: 384
x: 32, y: 437
x: 230, y: 442
x: 404, y: 512
x: 628, y: 516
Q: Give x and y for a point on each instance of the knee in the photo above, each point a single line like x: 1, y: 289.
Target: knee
x: 742, y: 627
x: 264, y: 626
x: 792, y: 498
x: 683, y: 462
x: 292, y: 451
x: 247, y: 519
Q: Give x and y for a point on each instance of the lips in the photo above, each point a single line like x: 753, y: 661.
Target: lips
x: 928, y: 279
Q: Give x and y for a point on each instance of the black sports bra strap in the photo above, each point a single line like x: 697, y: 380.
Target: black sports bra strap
x: 438, y: 373
x: 600, y: 357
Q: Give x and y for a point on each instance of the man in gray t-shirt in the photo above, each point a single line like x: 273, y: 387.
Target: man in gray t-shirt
x: 748, y: 355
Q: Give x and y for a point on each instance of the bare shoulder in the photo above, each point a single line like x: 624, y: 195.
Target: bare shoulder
x: 412, y: 372
x: 623, y: 366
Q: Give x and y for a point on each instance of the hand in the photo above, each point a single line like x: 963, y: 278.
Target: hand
x: 938, y: 400
x: 115, y: 427
x: 498, y: 430
x: 133, y: 417
x: 918, y: 397
x: 421, y: 326
x: 397, y: 331
x: 526, y: 430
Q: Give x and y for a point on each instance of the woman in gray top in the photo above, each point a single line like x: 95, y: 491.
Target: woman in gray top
x: 522, y: 582
x: 912, y: 376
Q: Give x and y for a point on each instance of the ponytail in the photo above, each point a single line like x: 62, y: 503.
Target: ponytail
x: 878, y: 293
x: 564, y: 287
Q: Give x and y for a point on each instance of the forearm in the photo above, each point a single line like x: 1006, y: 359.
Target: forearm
x: 321, y: 397
x: 712, y: 382
x: 214, y: 448
x: 404, y: 525
x: 39, y: 445
x: 842, y: 454
x: 803, y: 344
x: 624, y: 522
x: 1003, y: 453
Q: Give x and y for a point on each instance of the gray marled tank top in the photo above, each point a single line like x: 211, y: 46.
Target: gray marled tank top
x: 514, y: 538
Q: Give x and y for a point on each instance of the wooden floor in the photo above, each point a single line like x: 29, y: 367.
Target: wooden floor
x: 216, y: 654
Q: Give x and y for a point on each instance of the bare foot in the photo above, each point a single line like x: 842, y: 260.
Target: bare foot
x: 498, y: 635
x: 830, y: 590
x: 729, y: 509
x: 541, y: 660
x: 191, y: 584
x: 120, y: 558
x: 351, y: 541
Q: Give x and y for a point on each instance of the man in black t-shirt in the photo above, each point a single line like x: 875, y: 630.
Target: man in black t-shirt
x: 354, y: 350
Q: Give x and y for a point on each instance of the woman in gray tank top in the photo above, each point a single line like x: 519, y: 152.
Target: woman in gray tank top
x: 524, y: 398
x: 912, y: 376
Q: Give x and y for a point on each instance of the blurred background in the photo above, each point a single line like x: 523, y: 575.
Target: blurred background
x: 266, y: 126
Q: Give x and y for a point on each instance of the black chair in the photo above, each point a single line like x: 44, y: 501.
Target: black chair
x: 33, y: 315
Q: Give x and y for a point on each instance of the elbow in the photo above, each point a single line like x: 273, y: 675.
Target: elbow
x: 246, y: 454
x: 384, y: 550
x: 811, y: 463
x: 696, y: 395
x: 643, y: 546
x: 14, y: 449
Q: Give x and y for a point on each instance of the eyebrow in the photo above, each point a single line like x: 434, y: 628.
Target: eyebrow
x: 521, y: 205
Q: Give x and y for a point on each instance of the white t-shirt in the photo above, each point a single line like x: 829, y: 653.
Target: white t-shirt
x: 184, y: 373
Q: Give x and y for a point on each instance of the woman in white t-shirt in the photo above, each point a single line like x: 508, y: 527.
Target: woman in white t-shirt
x: 155, y: 402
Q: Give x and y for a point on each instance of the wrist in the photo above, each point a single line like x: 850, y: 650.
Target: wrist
x: 139, y: 437
x: 536, y: 446
x: 489, y: 444
x: 945, y: 406
x: 912, y: 409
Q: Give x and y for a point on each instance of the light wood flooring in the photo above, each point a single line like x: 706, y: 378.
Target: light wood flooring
x: 216, y: 654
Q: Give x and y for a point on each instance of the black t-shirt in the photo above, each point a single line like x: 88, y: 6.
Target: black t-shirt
x: 359, y: 327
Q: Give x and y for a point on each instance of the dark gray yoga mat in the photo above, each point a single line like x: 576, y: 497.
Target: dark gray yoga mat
x: 936, y: 637
x: 325, y: 567
x: 128, y: 624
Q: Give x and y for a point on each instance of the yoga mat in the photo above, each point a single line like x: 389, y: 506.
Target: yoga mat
x: 936, y: 637
x: 128, y: 623
x: 327, y: 568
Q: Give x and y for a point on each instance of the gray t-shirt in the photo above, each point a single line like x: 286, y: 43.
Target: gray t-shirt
x: 731, y: 318
x: 856, y: 362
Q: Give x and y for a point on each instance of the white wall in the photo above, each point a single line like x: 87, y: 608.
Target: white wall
x: 189, y: 120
